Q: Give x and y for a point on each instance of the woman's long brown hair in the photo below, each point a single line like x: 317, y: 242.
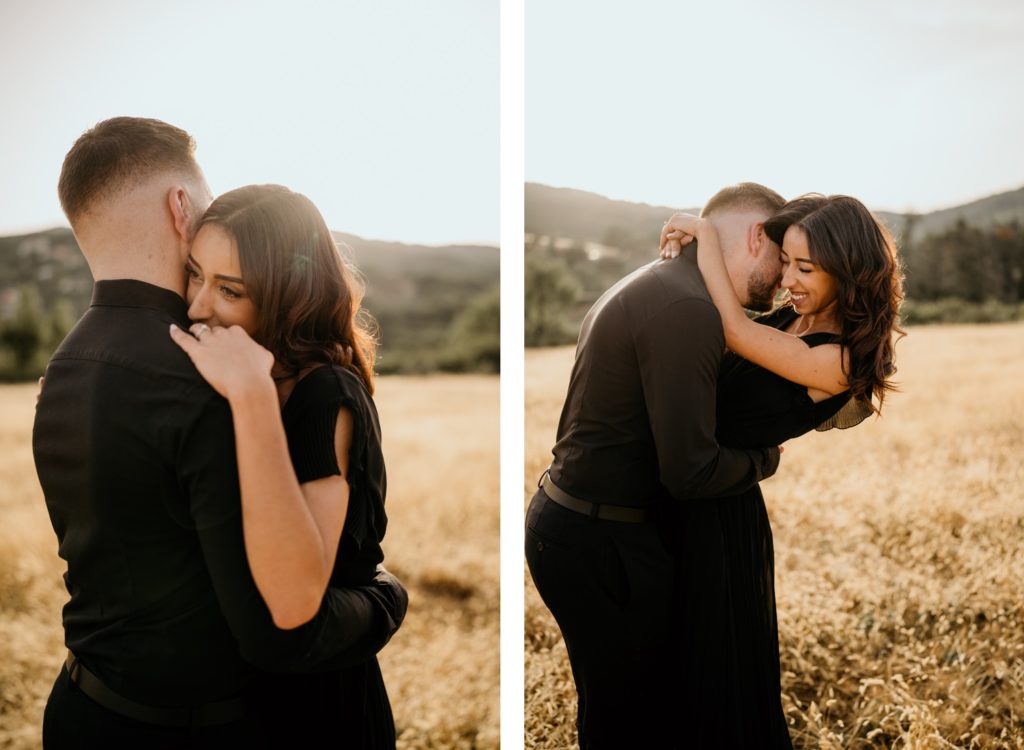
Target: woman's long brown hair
x: 859, y: 253
x: 307, y: 298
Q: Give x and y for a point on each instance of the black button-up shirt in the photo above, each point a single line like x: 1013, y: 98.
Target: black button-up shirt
x: 639, y: 417
x: 136, y: 457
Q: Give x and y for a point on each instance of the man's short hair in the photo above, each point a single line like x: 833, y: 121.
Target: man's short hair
x: 744, y: 196
x: 118, y: 153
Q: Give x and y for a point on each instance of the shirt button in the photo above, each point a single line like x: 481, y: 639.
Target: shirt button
x: 540, y: 546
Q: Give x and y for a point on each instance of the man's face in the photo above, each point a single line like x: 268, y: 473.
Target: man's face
x: 764, y: 278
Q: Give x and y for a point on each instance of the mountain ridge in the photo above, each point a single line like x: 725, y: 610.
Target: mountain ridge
x: 415, y: 292
x: 588, y: 217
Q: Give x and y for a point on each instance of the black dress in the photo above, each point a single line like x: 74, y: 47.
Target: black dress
x: 726, y: 594
x: 346, y: 708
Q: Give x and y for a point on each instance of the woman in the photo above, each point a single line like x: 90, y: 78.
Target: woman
x: 277, y: 333
x: 816, y: 362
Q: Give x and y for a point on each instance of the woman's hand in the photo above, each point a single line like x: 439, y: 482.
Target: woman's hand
x: 227, y: 358
x: 679, y: 230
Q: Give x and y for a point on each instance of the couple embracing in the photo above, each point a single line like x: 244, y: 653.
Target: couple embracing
x: 648, y: 537
x: 210, y: 454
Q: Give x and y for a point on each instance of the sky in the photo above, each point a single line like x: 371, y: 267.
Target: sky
x: 905, y: 104
x: 384, y: 113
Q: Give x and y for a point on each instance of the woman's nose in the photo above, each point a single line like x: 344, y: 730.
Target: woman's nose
x: 199, y: 310
x: 787, y: 276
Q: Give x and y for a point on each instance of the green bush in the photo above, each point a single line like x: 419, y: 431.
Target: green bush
x: 29, y: 336
x: 472, y: 343
x: 474, y: 338
x: 551, y: 291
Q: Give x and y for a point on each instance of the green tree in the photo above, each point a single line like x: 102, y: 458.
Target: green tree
x: 60, y: 321
x: 25, y: 333
x: 1008, y: 248
x: 550, y: 290
x: 474, y: 337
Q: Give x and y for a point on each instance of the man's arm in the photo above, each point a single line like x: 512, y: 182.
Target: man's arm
x: 352, y: 624
x: 679, y: 351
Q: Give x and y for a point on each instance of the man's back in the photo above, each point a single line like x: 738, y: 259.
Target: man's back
x: 123, y: 429
x: 639, y: 416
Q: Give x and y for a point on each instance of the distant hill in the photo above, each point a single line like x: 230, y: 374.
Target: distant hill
x: 986, y: 213
x: 589, y: 217
x: 414, y: 291
x: 51, y: 262
x: 962, y: 264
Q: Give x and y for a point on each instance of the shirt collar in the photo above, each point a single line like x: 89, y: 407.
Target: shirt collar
x: 133, y: 293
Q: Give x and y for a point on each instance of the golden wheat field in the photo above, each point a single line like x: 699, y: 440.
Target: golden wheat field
x: 441, y: 668
x: 899, y: 560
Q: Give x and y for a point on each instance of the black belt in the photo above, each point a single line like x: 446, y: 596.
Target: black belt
x: 200, y: 716
x: 594, y: 510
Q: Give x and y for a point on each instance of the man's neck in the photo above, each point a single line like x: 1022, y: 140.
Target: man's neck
x: 172, y: 280
x: 134, y: 238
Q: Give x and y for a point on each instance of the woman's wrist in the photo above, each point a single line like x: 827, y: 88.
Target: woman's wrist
x: 252, y: 389
x: 705, y: 230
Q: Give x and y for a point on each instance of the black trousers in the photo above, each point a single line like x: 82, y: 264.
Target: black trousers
x: 73, y: 721
x: 609, y: 586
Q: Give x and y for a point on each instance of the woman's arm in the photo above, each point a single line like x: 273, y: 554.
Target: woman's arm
x: 819, y: 367
x: 291, y: 530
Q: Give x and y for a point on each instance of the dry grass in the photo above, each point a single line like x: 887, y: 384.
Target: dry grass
x: 899, y: 569
x: 441, y: 446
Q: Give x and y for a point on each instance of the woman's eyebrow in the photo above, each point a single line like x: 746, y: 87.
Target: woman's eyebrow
x: 799, y: 260
x: 223, y: 277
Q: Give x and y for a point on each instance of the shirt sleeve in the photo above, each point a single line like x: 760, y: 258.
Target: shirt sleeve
x: 679, y: 350
x: 352, y: 623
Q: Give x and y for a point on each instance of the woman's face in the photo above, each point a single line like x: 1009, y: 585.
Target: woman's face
x: 215, y: 293
x: 812, y: 290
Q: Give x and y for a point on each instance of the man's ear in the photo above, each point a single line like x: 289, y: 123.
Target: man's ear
x: 181, y: 212
x: 756, y: 239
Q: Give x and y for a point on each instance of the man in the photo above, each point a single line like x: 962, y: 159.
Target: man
x: 637, y: 435
x: 135, y: 454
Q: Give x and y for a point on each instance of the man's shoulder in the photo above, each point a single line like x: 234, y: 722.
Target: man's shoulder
x: 136, y: 342
x: 658, y: 286
x: 671, y: 280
